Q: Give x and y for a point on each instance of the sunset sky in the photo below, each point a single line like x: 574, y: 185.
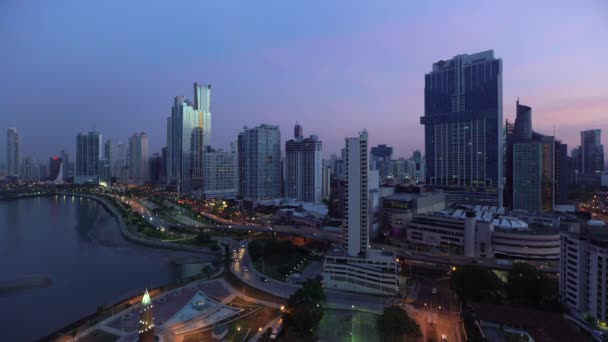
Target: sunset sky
x: 335, y: 66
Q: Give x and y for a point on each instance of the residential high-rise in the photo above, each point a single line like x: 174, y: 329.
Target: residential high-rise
x: 357, y: 213
x: 13, y: 152
x: 583, y: 278
x: 259, y: 163
x: 121, y: 165
x: 188, y: 134
x: 219, y: 174
x: 88, y: 155
x: 561, y: 173
x: 360, y: 268
x: 303, y: 164
x: 325, y: 182
x: 65, y: 159
x: 30, y: 171
x: 463, y: 128
x: 138, y: 158
x: 592, y: 152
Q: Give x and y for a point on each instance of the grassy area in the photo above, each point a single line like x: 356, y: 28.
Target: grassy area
x: 277, y: 258
x: 347, y: 326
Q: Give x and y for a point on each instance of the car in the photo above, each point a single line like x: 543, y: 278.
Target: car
x: 434, y: 291
x: 263, y: 279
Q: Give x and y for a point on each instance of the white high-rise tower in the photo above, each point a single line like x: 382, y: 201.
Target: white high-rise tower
x: 357, y: 205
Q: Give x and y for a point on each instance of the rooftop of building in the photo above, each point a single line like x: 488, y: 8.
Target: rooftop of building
x: 410, y: 196
x: 378, y: 255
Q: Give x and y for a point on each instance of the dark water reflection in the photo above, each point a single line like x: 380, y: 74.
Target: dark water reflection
x: 77, y: 244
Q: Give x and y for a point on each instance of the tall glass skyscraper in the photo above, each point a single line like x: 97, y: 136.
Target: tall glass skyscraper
x: 463, y: 128
x: 592, y: 152
x: 13, y: 152
x: 88, y: 155
x: 188, y: 134
x: 259, y: 163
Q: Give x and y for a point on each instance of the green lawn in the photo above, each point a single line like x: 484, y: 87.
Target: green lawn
x: 348, y: 326
x: 276, y: 258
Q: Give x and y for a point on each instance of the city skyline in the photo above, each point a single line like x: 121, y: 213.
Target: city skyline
x: 347, y: 83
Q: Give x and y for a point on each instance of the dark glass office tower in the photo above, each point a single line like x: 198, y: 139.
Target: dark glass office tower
x: 592, y: 152
x: 464, y: 128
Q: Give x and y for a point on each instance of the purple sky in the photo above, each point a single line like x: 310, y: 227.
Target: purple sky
x: 334, y: 66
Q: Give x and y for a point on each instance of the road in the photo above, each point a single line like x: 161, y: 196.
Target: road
x: 241, y: 266
x: 438, y: 310
x: 459, y: 260
x: 313, y: 233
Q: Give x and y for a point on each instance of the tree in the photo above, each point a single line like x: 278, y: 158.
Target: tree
x: 474, y: 282
x: 305, y: 309
x: 394, y: 324
x: 527, y: 284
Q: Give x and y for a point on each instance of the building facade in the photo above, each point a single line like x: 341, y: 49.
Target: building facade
x: 220, y: 174
x: 259, y: 163
x: 463, y: 128
x: 356, y: 218
x: 188, y: 134
x: 592, y: 152
x: 303, y: 163
x: 381, y: 156
x: 139, y: 169
x: 88, y: 156
x: 13, y: 153
x: 55, y: 168
x: 583, y: 281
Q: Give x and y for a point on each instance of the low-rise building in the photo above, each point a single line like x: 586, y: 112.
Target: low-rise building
x: 378, y: 273
x: 398, y: 209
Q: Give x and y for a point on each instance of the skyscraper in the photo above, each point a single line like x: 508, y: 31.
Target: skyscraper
x: 592, y: 152
x: 561, y: 173
x: 463, y: 128
x: 219, y: 174
x: 259, y: 163
x: 105, y: 168
x: 55, y: 168
x: 13, y: 153
x: 360, y: 268
x: 138, y: 158
x: 65, y: 159
x: 88, y: 155
x: 121, y: 166
x: 381, y: 156
x: 531, y: 167
x: 357, y: 205
x: 188, y: 134
x: 303, y: 164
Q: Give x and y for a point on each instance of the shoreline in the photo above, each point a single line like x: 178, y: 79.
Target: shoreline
x: 131, y: 237
x: 124, y: 230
